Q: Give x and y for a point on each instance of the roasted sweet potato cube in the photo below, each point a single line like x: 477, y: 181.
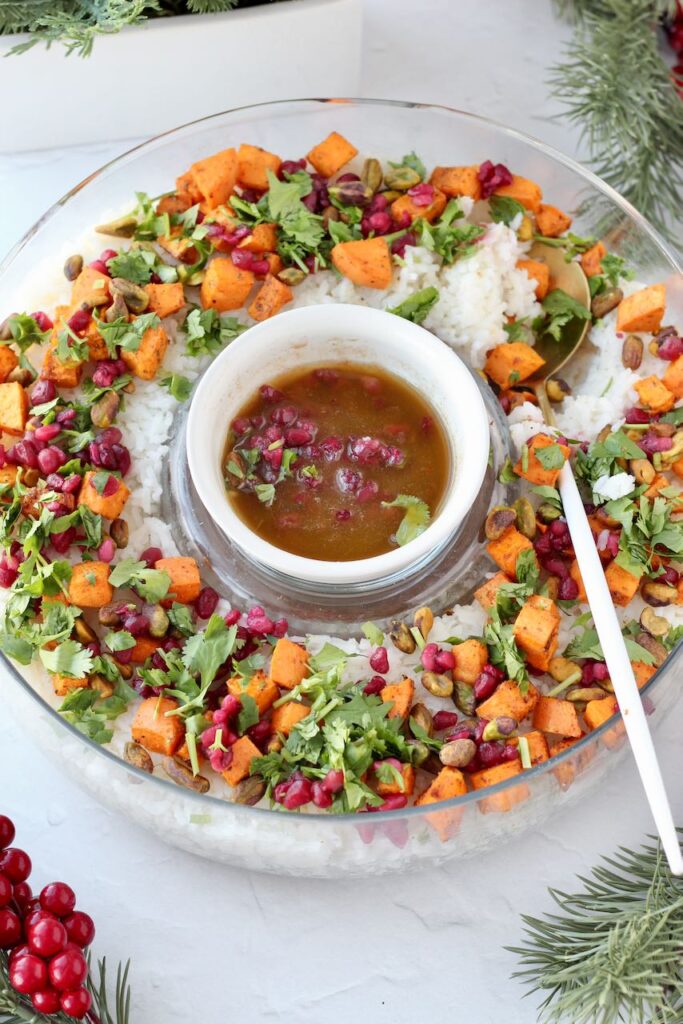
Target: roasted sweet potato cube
x: 557, y: 716
x: 64, y: 375
x: 288, y: 715
x: 677, y: 467
x: 263, y: 238
x: 406, y: 786
x: 185, y: 579
x: 511, y: 363
x: 538, y: 746
x: 97, y: 348
x: 289, y: 663
x: 8, y: 362
x: 486, y: 594
x: 642, y: 672
x: 552, y: 222
x: 145, y: 362
x: 539, y: 272
x: 63, y: 685
x: 470, y: 658
x: 448, y: 784
x: 243, y: 753
x: 215, y: 177
x: 154, y: 729
x: 591, y: 260
x: 367, y: 262
x: 500, y: 802
x: 506, y: 550
x: 165, y: 299
x: 565, y: 773
x: 89, y: 586
x: 536, y: 630
x: 8, y: 477
x: 330, y: 155
x: 260, y: 687
x: 109, y: 505
x: 673, y: 377
x: 145, y: 647
x: 91, y: 288
x: 623, y: 585
x: 176, y: 202
x: 535, y: 472
x: 225, y: 286
x: 186, y: 187
x: 525, y: 191
x: 642, y: 311
x: 457, y: 181
x: 270, y: 298
x: 598, y: 711
x: 13, y: 408
x: 406, y: 204
x: 654, y: 394
x: 659, y: 484
x: 400, y: 696
x: 508, y: 700
x: 253, y: 166
x: 575, y: 574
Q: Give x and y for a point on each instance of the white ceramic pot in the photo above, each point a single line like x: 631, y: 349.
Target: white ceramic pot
x: 328, y: 334
x: 148, y: 78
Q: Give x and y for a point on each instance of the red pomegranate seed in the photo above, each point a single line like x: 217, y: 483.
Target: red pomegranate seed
x: 375, y: 685
x: 43, y: 320
x: 444, y: 720
x: 150, y: 556
x: 379, y: 660
x: 492, y: 177
x: 206, y: 603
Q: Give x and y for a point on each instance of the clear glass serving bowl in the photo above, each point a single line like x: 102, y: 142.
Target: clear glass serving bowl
x: 318, y: 845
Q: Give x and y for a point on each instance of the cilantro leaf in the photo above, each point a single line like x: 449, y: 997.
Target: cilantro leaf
x: 69, y: 658
x: 207, y: 332
x: 417, y: 306
x: 504, y: 209
x: 551, y: 457
x: 249, y: 715
x: 503, y: 650
x: 134, y: 265
x: 122, y: 334
x: 205, y: 652
x: 120, y: 641
x: 179, y: 387
x: 560, y: 309
x: 416, y: 518
x: 449, y: 241
x: 151, y: 584
x: 25, y: 332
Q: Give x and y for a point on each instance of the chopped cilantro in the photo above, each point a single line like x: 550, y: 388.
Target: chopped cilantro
x: 504, y: 209
x: 151, y: 584
x: 446, y: 240
x: 207, y: 332
x: 415, y: 520
x: 560, y: 309
x: 69, y: 658
x: 417, y: 306
x: 551, y: 457
x: 124, y: 335
x: 179, y: 387
x: 134, y: 265
x: 25, y: 332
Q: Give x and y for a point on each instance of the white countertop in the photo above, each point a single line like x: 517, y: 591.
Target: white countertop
x: 214, y: 944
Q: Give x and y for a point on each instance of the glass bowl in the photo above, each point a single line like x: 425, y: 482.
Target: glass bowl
x: 317, y: 845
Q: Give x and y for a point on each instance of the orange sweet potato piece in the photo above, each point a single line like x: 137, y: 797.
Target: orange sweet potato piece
x: 623, y: 585
x: 551, y: 222
x: 448, y: 784
x: 263, y: 238
x: 500, y: 802
x: 512, y: 362
x: 185, y: 579
x: 64, y: 375
x: 186, y: 187
x: 507, y: 699
x: 63, y: 685
x: 253, y: 166
x: 654, y: 394
x: 575, y: 574
x: 145, y: 362
x: 8, y: 477
x: 89, y: 586
x: 145, y: 647
x: 538, y: 746
x: 288, y: 715
x: 540, y: 272
x: 673, y: 377
x: 677, y: 467
x: 91, y: 288
x: 215, y: 177
x: 111, y: 505
x: 243, y: 753
x: 659, y: 484
x: 457, y: 181
x: 270, y: 298
x: 176, y: 202
x: 260, y: 687
x: 591, y: 259
x: 536, y: 473
x: 557, y: 716
x: 154, y: 729
x: 406, y: 787
x: 470, y: 658
x: 405, y: 204
x: 642, y: 311
x: 225, y: 286
x: 486, y: 594
x: 642, y: 672
x: 8, y: 362
x: 598, y: 711
x: 565, y: 773
x: 367, y: 262
x: 525, y: 191
x: 13, y: 408
x: 165, y: 299
x: 506, y: 550
x: 97, y: 348
x: 330, y: 155
x: 275, y: 263
x: 400, y: 695
x: 289, y: 663
x: 536, y: 630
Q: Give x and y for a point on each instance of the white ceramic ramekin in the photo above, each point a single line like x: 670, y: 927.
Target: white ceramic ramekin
x: 327, y: 334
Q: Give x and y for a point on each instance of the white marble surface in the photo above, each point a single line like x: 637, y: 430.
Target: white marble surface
x: 213, y: 944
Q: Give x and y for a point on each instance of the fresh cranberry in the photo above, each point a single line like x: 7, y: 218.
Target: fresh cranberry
x: 7, y: 831
x: 23, y: 896
x: 58, y: 898
x: 68, y: 969
x: 5, y: 891
x: 28, y: 974
x: 46, y: 1001
x: 568, y: 589
x: 492, y: 177
x: 76, y: 1003
x: 379, y: 660
x: 47, y: 937
x: 206, y: 603
x: 150, y: 556
x: 334, y: 781
x: 10, y: 928
x: 444, y: 720
x: 15, y: 864
x: 80, y: 928
x: 374, y: 685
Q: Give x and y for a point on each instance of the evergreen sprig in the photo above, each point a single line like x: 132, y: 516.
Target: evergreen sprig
x: 614, y: 953
x: 618, y: 88
x: 17, y: 1009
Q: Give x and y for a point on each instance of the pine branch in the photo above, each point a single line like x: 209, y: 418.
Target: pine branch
x: 615, y: 951
x: 17, y: 1009
x: 210, y: 6
x: 618, y: 89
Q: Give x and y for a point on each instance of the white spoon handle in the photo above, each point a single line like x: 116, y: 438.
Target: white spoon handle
x: 619, y: 665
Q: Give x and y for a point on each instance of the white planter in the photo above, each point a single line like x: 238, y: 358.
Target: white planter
x: 167, y: 71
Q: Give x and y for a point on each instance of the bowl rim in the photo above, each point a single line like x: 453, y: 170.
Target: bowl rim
x: 309, y: 818
x: 346, y: 320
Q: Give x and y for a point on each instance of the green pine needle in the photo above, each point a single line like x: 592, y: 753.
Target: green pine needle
x: 618, y: 89
x: 17, y: 1009
x: 614, y: 953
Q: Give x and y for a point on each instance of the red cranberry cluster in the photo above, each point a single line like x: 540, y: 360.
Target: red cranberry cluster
x: 45, y: 936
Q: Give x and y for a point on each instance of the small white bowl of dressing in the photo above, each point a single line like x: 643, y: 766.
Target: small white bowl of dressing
x: 322, y: 336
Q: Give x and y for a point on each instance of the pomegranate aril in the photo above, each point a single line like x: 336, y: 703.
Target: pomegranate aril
x: 492, y: 177
x: 484, y: 685
x: 379, y: 660
x: 374, y: 685
x: 444, y: 720
x: 321, y: 797
x: 206, y: 603
x: 568, y: 589
x: 43, y: 320
x: 334, y: 780
x: 42, y: 391
x: 150, y: 556
x: 299, y: 793
x: 671, y: 348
